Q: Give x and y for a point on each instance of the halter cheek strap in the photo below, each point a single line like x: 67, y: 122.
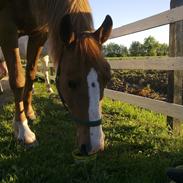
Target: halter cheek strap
x: 77, y: 120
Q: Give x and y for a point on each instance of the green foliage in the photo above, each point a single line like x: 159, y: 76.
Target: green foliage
x: 139, y: 147
x: 150, y: 47
x: 115, y: 50
x: 136, y: 49
x: 162, y: 50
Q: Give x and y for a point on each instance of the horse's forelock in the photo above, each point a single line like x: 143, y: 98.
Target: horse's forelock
x: 89, y: 48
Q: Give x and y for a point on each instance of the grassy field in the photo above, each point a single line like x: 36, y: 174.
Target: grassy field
x: 139, y: 147
x: 134, y: 58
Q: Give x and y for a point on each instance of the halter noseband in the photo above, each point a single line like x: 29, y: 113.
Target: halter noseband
x: 77, y: 120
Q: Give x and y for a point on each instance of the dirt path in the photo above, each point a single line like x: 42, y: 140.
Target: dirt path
x: 7, y: 94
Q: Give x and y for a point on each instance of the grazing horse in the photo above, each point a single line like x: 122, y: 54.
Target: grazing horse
x: 22, y: 43
x: 75, y: 47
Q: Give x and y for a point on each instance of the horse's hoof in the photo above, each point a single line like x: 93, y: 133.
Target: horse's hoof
x: 28, y: 146
x: 28, y: 141
x: 32, y: 145
x: 23, y: 133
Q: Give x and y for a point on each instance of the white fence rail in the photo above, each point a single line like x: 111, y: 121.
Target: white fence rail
x: 167, y: 63
x: 165, y: 108
x: 164, y: 18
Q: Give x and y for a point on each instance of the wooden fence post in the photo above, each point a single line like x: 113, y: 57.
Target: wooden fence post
x: 175, y: 78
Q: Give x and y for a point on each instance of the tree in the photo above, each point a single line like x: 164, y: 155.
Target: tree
x: 150, y: 46
x: 115, y: 50
x: 162, y: 50
x: 136, y: 49
x: 104, y: 50
x: 124, y: 51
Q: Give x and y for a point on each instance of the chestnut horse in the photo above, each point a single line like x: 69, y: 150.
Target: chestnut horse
x: 82, y: 71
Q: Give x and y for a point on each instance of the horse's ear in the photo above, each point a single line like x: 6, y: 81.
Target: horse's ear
x: 66, y: 33
x: 103, y: 33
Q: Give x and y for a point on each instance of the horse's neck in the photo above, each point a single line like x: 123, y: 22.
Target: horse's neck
x: 53, y: 11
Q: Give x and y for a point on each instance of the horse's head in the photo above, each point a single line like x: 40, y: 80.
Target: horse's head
x: 82, y: 74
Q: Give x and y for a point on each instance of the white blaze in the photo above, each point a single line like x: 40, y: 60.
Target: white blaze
x: 94, y: 110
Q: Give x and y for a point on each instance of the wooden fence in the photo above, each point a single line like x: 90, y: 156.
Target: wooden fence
x: 168, y: 63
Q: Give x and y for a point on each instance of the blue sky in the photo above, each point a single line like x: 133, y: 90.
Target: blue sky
x: 127, y: 11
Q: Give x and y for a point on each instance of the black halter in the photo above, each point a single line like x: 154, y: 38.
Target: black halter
x: 77, y: 120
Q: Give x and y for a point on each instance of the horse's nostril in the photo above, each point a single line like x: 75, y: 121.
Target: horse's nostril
x: 85, y: 149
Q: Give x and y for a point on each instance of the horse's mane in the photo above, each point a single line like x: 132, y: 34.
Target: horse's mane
x: 52, y: 12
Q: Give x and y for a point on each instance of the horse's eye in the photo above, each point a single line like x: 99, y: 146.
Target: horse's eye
x: 73, y: 84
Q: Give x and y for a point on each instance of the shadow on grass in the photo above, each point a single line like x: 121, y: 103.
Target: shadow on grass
x: 55, y: 133
x: 136, y: 156
x: 129, y: 156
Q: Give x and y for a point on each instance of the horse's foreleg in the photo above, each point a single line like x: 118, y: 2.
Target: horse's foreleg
x: 34, y: 48
x: 17, y: 83
x: 45, y: 60
x: 16, y: 79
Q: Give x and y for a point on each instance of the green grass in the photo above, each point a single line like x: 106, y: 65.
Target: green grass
x: 139, y: 147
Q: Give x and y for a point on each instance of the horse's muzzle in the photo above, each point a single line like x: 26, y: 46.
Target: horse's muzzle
x: 95, y: 143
